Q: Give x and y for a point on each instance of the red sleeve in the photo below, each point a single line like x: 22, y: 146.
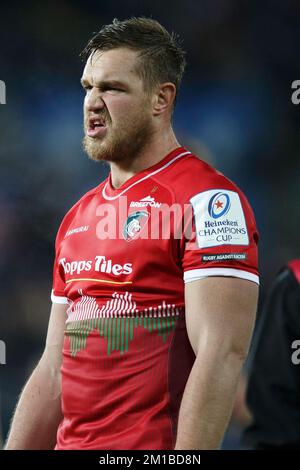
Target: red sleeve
x: 220, y: 237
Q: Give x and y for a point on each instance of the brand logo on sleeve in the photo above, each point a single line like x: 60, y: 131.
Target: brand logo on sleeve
x: 219, y: 219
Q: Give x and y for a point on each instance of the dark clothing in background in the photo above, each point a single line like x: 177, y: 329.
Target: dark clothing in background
x: 273, y: 394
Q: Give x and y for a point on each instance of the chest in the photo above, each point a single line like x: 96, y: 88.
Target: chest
x: 122, y: 236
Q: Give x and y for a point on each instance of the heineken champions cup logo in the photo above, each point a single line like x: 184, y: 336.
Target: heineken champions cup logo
x: 134, y: 224
x: 219, y: 205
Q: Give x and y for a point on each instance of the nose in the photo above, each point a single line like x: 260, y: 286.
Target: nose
x: 93, y: 100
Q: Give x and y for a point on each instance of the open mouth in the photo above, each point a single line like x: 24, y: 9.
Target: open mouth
x: 96, y: 127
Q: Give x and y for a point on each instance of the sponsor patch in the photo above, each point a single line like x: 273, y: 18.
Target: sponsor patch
x: 224, y: 257
x: 219, y: 218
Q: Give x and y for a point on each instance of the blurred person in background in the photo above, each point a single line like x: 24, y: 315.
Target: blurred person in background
x: 154, y: 332
x: 273, y: 394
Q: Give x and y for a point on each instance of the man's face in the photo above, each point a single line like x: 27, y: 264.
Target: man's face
x: 117, y: 110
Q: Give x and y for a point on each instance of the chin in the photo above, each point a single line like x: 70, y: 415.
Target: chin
x: 95, y: 150
x: 99, y: 154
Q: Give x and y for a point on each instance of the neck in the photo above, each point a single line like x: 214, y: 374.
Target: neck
x: 160, y: 145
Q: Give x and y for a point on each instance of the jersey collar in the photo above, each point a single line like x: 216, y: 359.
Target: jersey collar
x: 110, y: 193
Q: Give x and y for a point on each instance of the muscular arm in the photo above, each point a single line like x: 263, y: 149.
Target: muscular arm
x: 38, y: 412
x: 220, y: 314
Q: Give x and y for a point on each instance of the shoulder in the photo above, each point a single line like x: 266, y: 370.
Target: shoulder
x: 218, y: 204
x: 294, y: 268
x: 287, y: 280
x: 193, y: 176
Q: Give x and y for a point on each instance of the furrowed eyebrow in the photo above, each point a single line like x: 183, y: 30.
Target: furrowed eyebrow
x: 84, y: 82
x: 111, y: 83
x: 104, y: 83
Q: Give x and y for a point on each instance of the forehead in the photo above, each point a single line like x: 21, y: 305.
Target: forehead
x: 115, y: 64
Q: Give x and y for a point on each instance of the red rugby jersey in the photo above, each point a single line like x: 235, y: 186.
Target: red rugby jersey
x: 122, y: 258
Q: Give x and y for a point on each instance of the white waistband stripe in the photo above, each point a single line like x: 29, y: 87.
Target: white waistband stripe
x: 58, y: 299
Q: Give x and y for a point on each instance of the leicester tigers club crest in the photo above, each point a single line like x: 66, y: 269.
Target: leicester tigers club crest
x: 134, y: 224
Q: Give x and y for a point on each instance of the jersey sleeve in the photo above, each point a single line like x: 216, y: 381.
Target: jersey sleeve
x: 220, y: 236
x: 58, y: 286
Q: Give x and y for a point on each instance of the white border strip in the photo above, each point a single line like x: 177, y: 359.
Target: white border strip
x: 58, y: 299
x: 195, y: 274
x: 111, y: 198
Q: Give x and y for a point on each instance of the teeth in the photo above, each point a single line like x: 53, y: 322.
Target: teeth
x: 96, y: 123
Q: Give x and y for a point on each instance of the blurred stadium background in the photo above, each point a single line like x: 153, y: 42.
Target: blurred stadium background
x: 234, y: 108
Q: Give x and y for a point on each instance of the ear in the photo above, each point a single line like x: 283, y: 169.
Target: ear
x: 164, y: 98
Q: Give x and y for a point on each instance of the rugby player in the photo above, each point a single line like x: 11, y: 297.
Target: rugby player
x: 150, y: 322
